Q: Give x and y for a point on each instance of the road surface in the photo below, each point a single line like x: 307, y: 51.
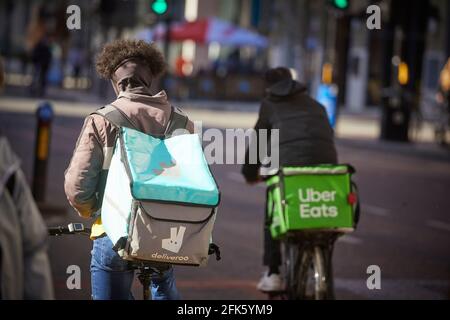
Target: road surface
x: 404, y: 227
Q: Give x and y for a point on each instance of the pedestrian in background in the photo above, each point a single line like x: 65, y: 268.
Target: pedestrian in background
x: 38, y: 47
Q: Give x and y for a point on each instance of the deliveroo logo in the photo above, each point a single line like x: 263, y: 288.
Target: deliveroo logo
x: 317, y: 204
x: 175, y: 241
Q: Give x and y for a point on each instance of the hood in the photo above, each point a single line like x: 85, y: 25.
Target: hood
x: 132, y: 76
x: 285, y: 88
x: 9, y: 162
x: 132, y: 83
x: 149, y: 114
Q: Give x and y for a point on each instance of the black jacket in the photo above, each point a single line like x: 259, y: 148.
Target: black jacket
x: 306, y: 137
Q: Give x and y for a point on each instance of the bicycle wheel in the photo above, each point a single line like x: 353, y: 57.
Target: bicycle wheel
x: 290, y: 257
x: 308, y: 272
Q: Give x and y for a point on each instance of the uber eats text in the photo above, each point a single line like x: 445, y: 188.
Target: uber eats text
x: 317, y: 204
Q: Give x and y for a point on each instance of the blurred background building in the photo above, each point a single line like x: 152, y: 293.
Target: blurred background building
x: 323, y: 41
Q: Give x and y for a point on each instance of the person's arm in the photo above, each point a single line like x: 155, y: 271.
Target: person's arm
x: 250, y: 171
x: 38, y: 284
x: 33, y: 279
x: 83, y: 173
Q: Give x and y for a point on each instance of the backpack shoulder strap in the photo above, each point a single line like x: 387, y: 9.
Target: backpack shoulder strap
x: 118, y: 119
x: 115, y: 116
x: 177, y: 120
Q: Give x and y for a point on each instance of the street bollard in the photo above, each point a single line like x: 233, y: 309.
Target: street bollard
x: 44, y: 115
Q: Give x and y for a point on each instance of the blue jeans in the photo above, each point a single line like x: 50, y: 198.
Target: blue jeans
x: 112, y: 277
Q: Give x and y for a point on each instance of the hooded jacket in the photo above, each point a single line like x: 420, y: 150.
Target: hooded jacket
x: 93, y: 151
x: 24, y: 264
x: 306, y: 137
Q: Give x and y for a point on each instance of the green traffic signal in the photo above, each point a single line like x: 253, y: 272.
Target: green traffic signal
x: 159, y: 6
x: 341, y: 4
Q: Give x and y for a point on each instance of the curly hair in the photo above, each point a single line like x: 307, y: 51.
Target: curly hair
x: 115, y: 52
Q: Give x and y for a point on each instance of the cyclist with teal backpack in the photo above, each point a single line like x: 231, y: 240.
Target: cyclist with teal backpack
x: 305, y: 139
x: 131, y: 66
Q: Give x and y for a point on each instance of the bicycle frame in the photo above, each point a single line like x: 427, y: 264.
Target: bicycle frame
x: 300, y: 250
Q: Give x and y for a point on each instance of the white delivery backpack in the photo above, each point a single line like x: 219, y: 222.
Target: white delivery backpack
x: 160, y: 199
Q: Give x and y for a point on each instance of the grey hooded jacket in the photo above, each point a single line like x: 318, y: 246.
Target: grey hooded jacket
x: 93, y: 151
x: 24, y: 264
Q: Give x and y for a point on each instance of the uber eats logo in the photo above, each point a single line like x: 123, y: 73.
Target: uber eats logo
x: 317, y: 204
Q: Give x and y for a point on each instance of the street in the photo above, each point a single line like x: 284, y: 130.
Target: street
x: 404, y: 227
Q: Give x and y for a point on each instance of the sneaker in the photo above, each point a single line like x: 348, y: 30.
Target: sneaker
x: 270, y: 283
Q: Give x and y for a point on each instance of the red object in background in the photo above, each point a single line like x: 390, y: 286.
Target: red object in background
x: 205, y: 31
x: 179, y: 66
x: 196, y: 31
x: 352, y: 198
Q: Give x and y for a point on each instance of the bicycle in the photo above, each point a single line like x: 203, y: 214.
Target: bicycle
x: 308, y: 265
x: 307, y: 261
x: 306, y: 253
x: 144, y: 270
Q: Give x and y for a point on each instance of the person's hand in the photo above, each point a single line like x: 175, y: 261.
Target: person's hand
x: 254, y: 181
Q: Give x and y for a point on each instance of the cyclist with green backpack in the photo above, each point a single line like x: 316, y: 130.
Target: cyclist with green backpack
x: 305, y: 139
x: 131, y: 66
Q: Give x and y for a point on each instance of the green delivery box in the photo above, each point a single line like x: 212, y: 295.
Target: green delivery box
x: 316, y: 197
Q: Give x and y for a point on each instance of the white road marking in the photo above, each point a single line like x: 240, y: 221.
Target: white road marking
x: 236, y: 177
x: 436, y: 224
x: 62, y: 108
x: 210, y: 118
x: 350, y: 240
x: 347, y: 126
x: 375, y: 210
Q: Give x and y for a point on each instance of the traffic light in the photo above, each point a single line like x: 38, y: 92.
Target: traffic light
x: 403, y: 74
x: 340, y: 4
x: 159, y: 7
x: 327, y: 73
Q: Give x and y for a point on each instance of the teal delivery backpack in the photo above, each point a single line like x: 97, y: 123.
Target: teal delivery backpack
x: 160, y: 199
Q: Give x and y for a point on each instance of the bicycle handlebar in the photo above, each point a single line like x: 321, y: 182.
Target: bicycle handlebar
x: 72, y: 228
